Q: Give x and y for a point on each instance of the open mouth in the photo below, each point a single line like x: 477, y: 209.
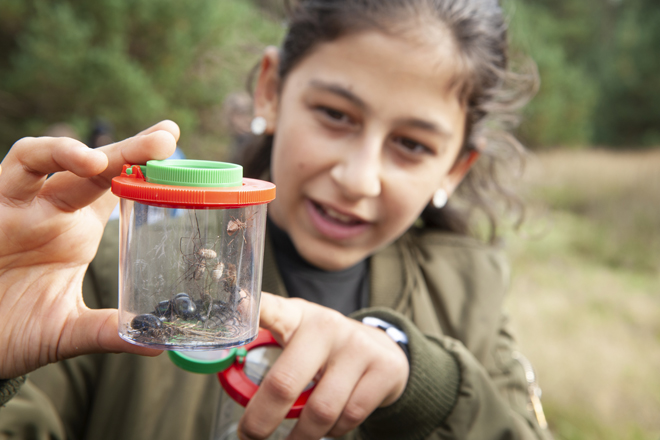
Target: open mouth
x: 337, y: 217
x: 335, y: 225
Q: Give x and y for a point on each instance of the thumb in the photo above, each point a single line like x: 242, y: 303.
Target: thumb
x: 96, y: 331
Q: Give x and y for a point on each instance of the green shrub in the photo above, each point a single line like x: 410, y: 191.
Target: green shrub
x: 560, y: 114
x: 130, y: 62
x: 628, y: 111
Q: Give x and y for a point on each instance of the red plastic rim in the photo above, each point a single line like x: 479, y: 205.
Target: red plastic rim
x: 134, y: 187
x: 240, y: 388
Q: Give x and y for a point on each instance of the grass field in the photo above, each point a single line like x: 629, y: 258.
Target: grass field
x: 586, y: 291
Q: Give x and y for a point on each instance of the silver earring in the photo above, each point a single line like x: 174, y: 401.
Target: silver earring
x: 440, y: 198
x: 258, y: 125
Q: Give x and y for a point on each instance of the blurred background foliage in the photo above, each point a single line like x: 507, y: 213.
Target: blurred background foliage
x: 586, y: 275
x: 598, y: 65
x: 132, y: 63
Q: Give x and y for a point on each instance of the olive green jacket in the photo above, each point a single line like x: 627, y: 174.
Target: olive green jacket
x: 443, y: 290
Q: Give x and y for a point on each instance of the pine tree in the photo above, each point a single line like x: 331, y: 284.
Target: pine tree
x: 131, y: 62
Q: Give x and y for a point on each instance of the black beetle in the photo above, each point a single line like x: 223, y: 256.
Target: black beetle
x: 183, y: 306
x: 146, y: 322
x: 163, y: 310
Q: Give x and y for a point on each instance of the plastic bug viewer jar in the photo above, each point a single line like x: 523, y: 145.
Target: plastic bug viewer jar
x: 190, y: 254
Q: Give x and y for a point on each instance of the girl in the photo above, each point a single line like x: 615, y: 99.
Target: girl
x: 367, y: 118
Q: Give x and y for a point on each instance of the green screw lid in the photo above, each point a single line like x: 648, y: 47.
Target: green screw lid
x: 200, y: 173
x: 203, y: 362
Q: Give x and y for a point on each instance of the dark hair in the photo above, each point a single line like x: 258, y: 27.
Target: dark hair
x: 489, y: 90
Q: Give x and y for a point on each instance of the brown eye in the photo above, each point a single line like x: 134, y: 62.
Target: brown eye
x: 411, y: 146
x: 334, y: 115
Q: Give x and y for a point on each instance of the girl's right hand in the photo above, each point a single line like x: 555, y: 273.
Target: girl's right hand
x: 49, y: 233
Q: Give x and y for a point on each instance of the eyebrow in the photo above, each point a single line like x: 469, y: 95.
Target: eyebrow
x: 426, y: 125
x: 339, y: 90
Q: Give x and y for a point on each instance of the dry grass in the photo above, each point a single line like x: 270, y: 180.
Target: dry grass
x: 586, y: 291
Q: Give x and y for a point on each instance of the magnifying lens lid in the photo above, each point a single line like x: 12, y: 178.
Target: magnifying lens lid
x: 203, y: 362
x: 241, y: 380
x: 191, y: 184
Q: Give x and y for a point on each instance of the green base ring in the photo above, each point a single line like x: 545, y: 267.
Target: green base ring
x: 186, y: 362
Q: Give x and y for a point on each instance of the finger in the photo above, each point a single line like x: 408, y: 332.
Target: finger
x: 165, y: 125
x: 96, y: 331
x: 327, y: 401
x: 278, y: 316
x: 366, y: 397
x: 304, y: 354
x: 70, y: 193
x: 157, y: 142
x: 31, y: 159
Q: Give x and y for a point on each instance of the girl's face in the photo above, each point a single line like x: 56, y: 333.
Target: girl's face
x: 367, y: 128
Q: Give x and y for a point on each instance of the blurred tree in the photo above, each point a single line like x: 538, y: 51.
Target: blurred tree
x: 129, y: 62
x: 598, y: 65
x: 628, y: 111
x: 561, y: 112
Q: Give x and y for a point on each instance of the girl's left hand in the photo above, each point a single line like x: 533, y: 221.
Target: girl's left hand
x: 360, y: 369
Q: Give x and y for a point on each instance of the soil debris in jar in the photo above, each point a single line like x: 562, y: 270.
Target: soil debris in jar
x: 183, y: 319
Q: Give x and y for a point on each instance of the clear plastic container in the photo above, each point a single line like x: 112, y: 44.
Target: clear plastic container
x: 191, y: 252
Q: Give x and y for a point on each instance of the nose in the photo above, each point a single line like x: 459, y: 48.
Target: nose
x: 358, y: 171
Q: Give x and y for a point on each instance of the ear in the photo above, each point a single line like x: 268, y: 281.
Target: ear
x: 266, y: 92
x: 459, y: 171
